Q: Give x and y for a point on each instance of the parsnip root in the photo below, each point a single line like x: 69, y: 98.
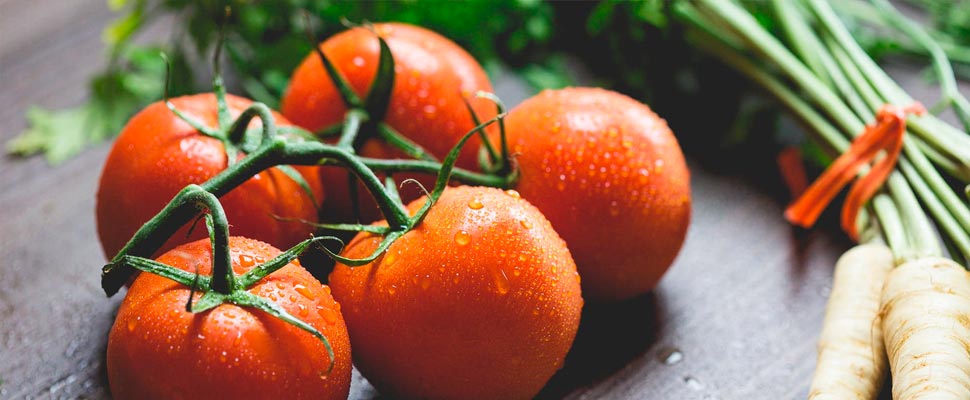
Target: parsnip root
x: 926, y: 322
x: 851, y: 356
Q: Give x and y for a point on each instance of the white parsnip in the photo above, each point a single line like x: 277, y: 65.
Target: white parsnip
x: 926, y: 323
x: 851, y: 356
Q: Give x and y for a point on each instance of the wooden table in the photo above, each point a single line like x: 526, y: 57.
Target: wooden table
x: 736, y: 317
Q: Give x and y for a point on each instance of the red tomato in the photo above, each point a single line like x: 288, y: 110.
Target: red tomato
x: 157, y: 350
x: 479, y: 301
x: 158, y: 154
x: 610, y: 176
x: 432, y: 74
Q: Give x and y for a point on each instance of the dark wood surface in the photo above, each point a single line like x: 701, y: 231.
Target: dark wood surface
x: 736, y: 317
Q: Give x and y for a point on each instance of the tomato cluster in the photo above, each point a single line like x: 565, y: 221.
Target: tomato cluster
x: 467, y: 292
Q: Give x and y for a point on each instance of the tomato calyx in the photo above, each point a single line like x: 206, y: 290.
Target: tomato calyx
x: 223, y: 286
x: 364, y: 118
x: 234, y: 133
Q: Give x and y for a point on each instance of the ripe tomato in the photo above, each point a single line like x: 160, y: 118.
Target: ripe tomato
x: 431, y: 76
x: 610, y: 176
x: 480, y: 301
x: 157, y: 350
x: 158, y: 154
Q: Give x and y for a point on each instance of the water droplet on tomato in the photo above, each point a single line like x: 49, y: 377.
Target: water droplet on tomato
x: 462, y: 238
x: 426, y: 282
x: 328, y: 315
x: 391, y: 290
x: 475, y: 204
x: 614, y: 208
x: 303, y: 311
x: 303, y: 290
x: 525, y: 224
x: 246, y: 261
x: 132, y: 323
x: 513, y: 193
x: 501, y: 281
x: 390, y: 258
x: 222, y: 357
x: 358, y: 61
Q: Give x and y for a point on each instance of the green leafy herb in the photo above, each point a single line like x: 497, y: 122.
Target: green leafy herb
x: 266, y: 41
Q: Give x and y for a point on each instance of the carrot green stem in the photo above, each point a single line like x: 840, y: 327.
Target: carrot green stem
x: 941, y: 64
x: 892, y: 227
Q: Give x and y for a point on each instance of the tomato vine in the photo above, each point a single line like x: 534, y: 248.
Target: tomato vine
x: 272, y: 147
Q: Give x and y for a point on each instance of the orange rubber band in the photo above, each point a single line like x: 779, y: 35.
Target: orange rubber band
x: 885, y: 138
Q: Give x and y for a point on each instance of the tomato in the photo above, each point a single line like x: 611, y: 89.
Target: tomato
x: 479, y: 301
x: 432, y: 74
x: 158, y: 350
x: 158, y: 154
x: 610, y: 176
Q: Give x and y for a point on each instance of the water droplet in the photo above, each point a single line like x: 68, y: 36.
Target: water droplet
x: 516, y: 272
x: 513, y: 193
x: 612, y: 132
x: 132, y: 323
x: 462, y: 238
x: 246, y: 261
x: 303, y: 311
x: 426, y: 282
x: 303, y: 290
x: 222, y: 357
x: 327, y: 314
x: 475, y: 204
x: 670, y: 356
x: 200, y: 336
x: 280, y: 285
x: 392, y: 289
x: 430, y: 109
x: 358, y: 61
x: 525, y: 224
x: 501, y: 280
x: 614, y: 208
x: 693, y: 383
x: 390, y: 258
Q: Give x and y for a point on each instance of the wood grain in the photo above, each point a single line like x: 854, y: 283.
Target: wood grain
x: 737, y: 317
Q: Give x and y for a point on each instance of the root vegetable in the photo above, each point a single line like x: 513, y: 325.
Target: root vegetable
x: 926, y: 323
x: 851, y: 356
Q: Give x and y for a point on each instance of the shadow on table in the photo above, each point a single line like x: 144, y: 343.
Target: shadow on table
x: 610, y: 337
